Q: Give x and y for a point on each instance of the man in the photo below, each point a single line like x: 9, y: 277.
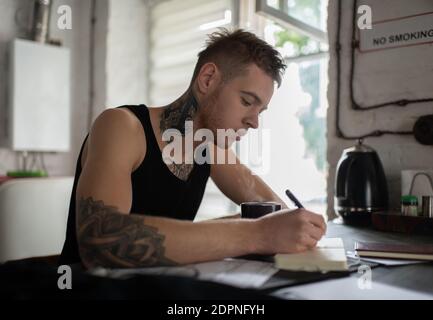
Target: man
x: 129, y: 208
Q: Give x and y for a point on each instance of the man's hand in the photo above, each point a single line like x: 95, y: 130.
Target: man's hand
x: 289, y: 231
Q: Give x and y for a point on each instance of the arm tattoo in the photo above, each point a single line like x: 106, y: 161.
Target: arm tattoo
x: 111, y: 239
x: 174, y: 117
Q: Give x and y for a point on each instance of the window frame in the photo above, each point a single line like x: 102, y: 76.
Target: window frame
x: 289, y: 22
x: 264, y: 11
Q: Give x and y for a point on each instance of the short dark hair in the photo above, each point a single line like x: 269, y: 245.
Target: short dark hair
x: 233, y: 51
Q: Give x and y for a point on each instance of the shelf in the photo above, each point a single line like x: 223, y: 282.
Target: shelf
x: 395, y: 222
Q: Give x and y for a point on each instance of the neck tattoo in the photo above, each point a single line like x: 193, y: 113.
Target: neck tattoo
x: 176, y: 113
x: 174, y: 117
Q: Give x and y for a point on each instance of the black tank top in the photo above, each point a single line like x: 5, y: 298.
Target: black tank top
x: 156, y: 191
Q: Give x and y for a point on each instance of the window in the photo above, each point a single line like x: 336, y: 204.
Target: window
x: 307, y: 17
x: 178, y: 30
x: 297, y: 112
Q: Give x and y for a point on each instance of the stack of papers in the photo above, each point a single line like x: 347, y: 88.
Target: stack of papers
x: 328, y: 255
x: 236, y: 272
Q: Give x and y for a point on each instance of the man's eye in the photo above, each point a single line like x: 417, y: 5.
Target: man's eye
x: 245, y: 102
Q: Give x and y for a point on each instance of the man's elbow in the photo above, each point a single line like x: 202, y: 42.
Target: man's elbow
x: 89, y: 257
x: 95, y: 254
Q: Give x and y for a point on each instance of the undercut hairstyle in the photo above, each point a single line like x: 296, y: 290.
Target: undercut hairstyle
x: 233, y: 51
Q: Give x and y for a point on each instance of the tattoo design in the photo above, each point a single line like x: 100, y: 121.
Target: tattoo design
x: 112, y: 239
x: 176, y: 113
x: 174, y: 117
x: 181, y: 170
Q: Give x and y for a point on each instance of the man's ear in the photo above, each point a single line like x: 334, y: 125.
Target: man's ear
x: 208, y: 77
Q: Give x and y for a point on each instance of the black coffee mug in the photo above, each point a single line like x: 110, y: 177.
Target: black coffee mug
x: 257, y: 209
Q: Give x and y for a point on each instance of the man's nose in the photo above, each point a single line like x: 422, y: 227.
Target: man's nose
x: 253, y: 122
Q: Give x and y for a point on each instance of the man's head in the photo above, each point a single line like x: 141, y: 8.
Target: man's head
x: 234, y: 80
x: 233, y: 51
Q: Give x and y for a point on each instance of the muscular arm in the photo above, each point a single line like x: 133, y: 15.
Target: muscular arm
x: 109, y: 236
x: 114, y: 239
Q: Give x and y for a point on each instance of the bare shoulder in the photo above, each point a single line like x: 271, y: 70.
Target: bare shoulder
x: 116, y: 130
x: 116, y: 118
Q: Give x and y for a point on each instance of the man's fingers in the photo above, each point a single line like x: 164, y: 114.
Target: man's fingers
x: 315, y: 232
x: 317, y: 220
x: 309, y: 242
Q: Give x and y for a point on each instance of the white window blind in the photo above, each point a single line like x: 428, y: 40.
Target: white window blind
x: 178, y: 32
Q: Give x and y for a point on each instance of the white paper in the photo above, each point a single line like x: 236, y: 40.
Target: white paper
x: 350, y: 288
x: 236, y: 272
x: 385, y: 262
x: 330, y: 243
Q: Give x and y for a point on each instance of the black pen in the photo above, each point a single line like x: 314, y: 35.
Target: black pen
x: 294, y: 200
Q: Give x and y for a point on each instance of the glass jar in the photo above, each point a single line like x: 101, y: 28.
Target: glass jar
x: 409, y: 205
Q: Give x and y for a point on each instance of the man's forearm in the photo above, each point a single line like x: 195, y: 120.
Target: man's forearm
x: 113, y: 239
x: 265, y: 193
x: 232, y: 216
x: 239, y: 184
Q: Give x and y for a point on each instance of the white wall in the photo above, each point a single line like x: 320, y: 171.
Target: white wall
x: 119, y: 63
x: 382, y: 76
x: 77, y: 40
x: 126, y: 67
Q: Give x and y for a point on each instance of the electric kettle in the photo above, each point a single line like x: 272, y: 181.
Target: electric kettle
x: 360, y: 185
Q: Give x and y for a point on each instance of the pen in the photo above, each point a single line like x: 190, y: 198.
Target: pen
x: 293, y: 199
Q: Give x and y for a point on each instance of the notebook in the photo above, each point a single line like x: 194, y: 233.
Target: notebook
x: 395, y: 251
x: 328, y: 255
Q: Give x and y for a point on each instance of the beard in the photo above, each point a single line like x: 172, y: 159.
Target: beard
x: 210, y: 118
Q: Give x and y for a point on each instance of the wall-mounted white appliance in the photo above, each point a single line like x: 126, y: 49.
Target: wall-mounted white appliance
x: 39, y: 113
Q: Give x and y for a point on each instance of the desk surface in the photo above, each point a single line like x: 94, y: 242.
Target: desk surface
x: 416, y: 277
x: 27, y: 280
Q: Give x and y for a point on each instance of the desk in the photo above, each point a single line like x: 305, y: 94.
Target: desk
x: 416, y: 277
x: 35, y: 280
